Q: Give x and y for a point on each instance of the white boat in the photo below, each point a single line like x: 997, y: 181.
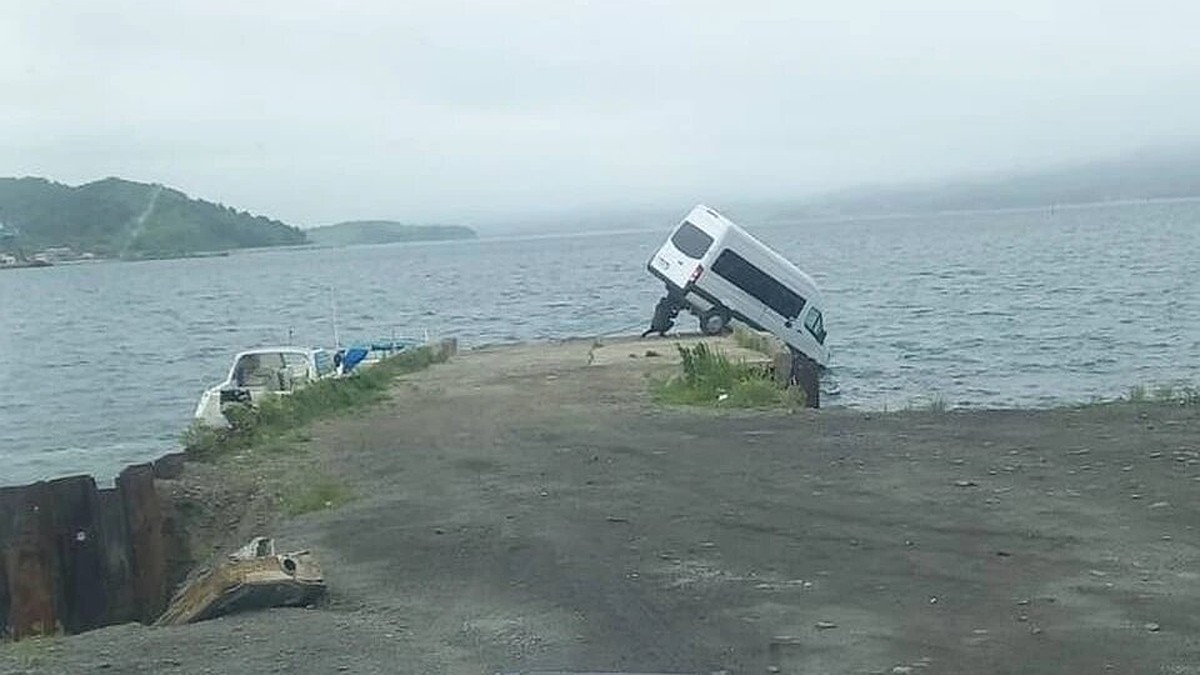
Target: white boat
x: 258, y: 373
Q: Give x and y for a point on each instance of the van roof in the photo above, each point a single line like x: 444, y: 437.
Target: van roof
x: 703, y: 209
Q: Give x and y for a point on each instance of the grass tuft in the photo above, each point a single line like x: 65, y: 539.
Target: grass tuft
x: 935, y: 403
x: 709, y: 378
x: 1178, y: 392
x: 319, y: 493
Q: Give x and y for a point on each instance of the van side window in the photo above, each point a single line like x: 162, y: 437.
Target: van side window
x: 691, y: 240
x: 815, y: 325
x: 758, y: 284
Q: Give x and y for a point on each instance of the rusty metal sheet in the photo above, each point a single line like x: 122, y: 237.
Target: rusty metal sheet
x: 144, y: 513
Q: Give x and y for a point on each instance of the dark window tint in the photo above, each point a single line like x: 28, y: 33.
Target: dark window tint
x: 691, y: 240
x: 815, y: 325
x: 739, y: 272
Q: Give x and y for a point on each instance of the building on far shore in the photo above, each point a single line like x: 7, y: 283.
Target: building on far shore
x: 56, y: 253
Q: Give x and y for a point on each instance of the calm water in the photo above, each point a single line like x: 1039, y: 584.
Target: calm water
x: 102, y: 364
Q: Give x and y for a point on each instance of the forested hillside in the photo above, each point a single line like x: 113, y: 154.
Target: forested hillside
x: 120, y: 218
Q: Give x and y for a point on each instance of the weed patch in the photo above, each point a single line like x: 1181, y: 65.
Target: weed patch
x: 1179, y: 392
x: 315, y: 494
x: 710, y: 378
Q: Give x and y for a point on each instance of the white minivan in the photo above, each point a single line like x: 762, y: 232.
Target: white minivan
x: 719, y: 272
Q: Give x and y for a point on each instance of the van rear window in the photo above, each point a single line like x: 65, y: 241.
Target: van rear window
x: 691, y: 240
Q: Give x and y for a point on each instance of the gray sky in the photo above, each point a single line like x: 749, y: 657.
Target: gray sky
x: 315, y: 112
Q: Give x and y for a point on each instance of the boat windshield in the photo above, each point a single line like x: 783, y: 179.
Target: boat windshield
x: 257, y: 370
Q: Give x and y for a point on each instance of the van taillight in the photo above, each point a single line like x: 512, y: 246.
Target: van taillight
x: 696, y: 274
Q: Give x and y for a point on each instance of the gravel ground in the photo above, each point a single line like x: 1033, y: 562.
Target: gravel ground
x: 528, y: 508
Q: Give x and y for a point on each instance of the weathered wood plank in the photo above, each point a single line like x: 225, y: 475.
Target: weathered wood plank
x: 254, y: 577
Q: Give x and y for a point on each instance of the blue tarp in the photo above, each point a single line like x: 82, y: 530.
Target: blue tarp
x: 352, y: 356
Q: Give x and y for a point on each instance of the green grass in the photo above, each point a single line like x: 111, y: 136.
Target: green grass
x: 316, y: 494
x: 1180, y: 393
x: 280, y: 421
x: 936, y: 404
x: 709, y: 378
x: 1183, y: 394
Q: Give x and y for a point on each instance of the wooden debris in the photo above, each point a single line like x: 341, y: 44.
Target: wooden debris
x: 254, y: 577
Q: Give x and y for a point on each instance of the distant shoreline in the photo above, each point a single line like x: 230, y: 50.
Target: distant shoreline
x: 905, y: 215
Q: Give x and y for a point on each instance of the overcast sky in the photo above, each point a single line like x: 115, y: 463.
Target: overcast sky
x: 315, y: 112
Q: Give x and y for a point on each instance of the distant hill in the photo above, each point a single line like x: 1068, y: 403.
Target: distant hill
x: 384, y: 232
x: 120, y: 218
x: 1161, y: 174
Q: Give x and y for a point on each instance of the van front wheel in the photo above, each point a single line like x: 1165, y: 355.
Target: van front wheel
x: 714, y: 321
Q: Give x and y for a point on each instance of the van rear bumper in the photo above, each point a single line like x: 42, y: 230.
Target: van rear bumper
x: 662, y: 277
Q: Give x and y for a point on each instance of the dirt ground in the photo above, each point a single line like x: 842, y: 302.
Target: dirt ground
x: 529, y: 508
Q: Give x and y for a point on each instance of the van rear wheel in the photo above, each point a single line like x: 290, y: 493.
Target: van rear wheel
x: 714, y: 321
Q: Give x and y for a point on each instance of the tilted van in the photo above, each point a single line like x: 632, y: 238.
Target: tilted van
x: 719, y: 272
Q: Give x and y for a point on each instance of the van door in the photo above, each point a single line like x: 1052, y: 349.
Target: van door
x: 752, y: 294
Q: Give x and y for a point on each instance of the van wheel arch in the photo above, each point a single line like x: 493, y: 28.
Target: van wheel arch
x: 714, y: 321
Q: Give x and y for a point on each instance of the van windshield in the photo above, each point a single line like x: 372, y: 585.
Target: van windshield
x: 691, y: 240
x: 815, y: 325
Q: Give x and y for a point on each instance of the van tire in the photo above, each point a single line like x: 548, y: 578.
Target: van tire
x: 714, y: 321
